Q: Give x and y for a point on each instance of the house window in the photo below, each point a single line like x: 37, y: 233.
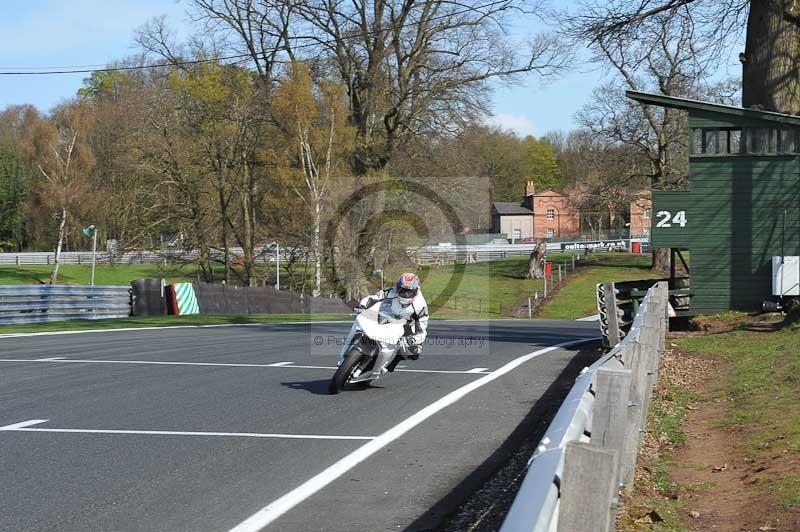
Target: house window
x: 551, y: 214
x: 517, y: 234
x: 551, y: 233
x: 648, y: 211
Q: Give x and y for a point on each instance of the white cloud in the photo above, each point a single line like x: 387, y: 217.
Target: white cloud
x: 517, y: 123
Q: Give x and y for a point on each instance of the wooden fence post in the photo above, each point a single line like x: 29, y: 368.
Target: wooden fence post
x: 610, y: 411
x: 636, y: 398
x: 587, y: 489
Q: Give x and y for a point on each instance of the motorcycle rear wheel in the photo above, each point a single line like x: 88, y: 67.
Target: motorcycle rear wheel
x: 344, y: 373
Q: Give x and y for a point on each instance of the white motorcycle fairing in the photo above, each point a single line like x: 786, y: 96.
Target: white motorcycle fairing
x: 379, y: 324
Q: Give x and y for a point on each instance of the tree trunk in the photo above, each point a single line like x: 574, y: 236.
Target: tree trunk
x: 248, y: 205
x: 56, y: 262
x: 225, y: 245
x: 661, y: 258
x: 247, y: 248
x: 536, y: 264
x: 771, y: 62
x: 317, y: 251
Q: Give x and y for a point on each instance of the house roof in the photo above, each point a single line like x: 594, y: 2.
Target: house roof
x: 548, y: 193
x: 509, y: 208
x: 697, y: 105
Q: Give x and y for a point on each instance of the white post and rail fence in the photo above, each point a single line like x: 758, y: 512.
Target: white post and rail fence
x: 589, y: 451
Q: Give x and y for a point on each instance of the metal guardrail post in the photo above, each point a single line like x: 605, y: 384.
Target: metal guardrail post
x: 587, y: 488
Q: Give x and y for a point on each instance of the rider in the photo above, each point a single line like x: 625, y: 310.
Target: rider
x: 407, y: 302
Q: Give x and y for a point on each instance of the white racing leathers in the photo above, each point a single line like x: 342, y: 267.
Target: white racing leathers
x: 416, y: 315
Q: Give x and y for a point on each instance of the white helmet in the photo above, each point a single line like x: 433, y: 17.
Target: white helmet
x: 407, y: 288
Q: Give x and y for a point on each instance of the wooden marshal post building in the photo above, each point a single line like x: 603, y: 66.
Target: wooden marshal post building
x: 741, y: 209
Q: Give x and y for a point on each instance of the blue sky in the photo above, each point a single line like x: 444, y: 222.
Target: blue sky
x: 54, y: 33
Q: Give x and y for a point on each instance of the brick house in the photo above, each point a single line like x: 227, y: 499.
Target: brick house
x: 641, y: 210
x: 555, y: 215
x: 551, y: 214
x: 546, y: 214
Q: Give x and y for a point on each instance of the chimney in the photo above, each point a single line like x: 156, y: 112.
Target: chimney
x: 530, y: 189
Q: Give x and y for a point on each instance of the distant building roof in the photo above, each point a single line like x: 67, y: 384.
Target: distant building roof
x: 548, y: 193
x: 510, y: 208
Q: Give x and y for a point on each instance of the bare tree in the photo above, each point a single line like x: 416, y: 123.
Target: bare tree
x: 771, y: 58
x: 670, y: 61
x: 414, y: 67
x: 408, y: 67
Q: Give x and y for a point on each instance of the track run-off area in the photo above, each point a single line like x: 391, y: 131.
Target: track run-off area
x: 230, y: 428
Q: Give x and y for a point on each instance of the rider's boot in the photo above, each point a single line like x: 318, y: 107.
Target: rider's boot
x: 393, y: 364
x: 413, y: 352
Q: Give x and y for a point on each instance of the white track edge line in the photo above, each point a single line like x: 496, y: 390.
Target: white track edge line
x: 280, y: 506
x: 24, y: 427
x: 22, y: 424
x: 166, y: 327
x: 219, y: 364
x: 123, y: 329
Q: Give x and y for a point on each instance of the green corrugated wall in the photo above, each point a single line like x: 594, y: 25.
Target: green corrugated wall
x: 734, y: 216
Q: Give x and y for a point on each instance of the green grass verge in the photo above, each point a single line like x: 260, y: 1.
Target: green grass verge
x: 762, y: 393
x: 660, y: 494
x: 169, y: 321
x: 577, y: 299
x: 121, y: 274
x: 483, y: 290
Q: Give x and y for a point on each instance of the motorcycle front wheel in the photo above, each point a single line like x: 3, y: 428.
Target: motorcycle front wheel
x: 344, y: 373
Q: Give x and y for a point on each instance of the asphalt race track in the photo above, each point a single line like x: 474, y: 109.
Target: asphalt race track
x: 231, y: 428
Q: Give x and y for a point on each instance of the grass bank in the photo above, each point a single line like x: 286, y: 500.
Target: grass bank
x: 577, y: 299
x: 761, y: 394
x: 120, y: 274
x: 727, y: 435
x: 482, y: 290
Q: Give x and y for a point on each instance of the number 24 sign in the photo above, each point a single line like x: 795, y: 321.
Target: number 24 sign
x: 666, y: 219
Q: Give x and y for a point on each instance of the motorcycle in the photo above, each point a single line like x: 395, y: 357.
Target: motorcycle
x: 377, y: 340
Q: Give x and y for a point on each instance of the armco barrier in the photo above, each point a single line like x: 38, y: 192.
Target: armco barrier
x: 40, y: 303
x: 589, y: 450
